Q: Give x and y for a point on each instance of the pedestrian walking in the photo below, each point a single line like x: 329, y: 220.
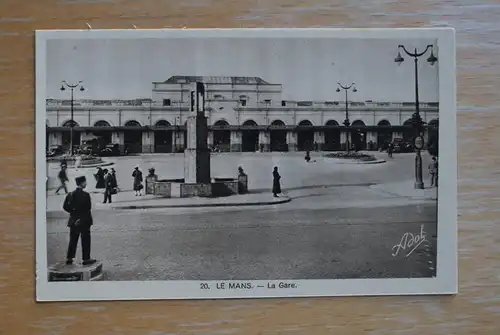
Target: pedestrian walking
x: 276, y: 182
x: 108, y: 187
x: 79, y: 206
x: 433, y: 171
x: 78, y: 162
x: 308, y: 156
x: 390, y: 149
x: 137, y: 174
x: 99, y: 177
x: 63, y: 179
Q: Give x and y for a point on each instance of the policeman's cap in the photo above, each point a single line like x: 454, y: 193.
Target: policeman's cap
x: 80, y: 180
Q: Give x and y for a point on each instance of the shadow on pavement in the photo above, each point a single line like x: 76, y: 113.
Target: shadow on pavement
x: 309, y: 187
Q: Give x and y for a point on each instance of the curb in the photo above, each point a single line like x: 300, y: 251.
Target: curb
x: 351, y: 162
x: 237, y: 204
x: 374, y: 187
x: 92, y: 165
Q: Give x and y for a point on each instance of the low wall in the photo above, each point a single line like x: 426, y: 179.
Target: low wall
x: 150, y: 184
x: 196, y: 190
x: 223, y: 187
x: 163, y: 188
x: 220, y: 187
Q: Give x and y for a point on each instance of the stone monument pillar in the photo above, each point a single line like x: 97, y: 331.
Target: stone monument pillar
x: 197, y: 153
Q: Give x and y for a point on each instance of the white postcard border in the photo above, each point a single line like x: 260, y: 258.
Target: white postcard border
x: 446, y: 281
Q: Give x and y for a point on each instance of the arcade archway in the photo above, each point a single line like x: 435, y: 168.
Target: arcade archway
x: 181, y: 146
x: 433, y: 123
x: 433, y: 137
x: 278, y: 136
x: 384, y: 135
x: 222, y: 136
x: 408, y: 131
x: 358, y: 135
x: 332, y: 137
x: 66, y: 135
x: 163, y: 137
x: 133, y: 137
x: 305, y: 136
x: 104, y: 135
x: 249, y: 137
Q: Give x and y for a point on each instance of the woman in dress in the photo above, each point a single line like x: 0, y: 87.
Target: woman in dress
x: 137, y: 174
x: 99, y: 177
x: 276, y: 182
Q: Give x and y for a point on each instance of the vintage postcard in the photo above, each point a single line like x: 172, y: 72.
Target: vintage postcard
x: 245, y: 163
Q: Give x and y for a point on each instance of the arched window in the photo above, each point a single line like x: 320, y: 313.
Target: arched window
x: 434, y: 123
x: 221, y: 123
x: 132, y: 123
x: 70, y: 123
x: 277, y: 123
x: 162, y: 124
x: 384, y: 123
x: 305, y: 123
x: 249, y: 123
x: 358, y: 123
x: 102, y: 123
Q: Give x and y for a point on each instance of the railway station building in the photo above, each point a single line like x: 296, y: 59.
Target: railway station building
x: 245, y: 114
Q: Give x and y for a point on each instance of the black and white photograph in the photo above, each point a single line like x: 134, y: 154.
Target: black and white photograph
x: 245, y: 163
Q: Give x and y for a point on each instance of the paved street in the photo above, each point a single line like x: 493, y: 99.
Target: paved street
x: 336, y: 226
x: 265, y: 243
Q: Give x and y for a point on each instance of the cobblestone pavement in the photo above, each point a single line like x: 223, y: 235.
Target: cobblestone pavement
x: 288, y: 241
x: 326, y: 231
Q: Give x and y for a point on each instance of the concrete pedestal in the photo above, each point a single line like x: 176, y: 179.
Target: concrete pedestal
x: 150, y: 184
x: 76, y: 272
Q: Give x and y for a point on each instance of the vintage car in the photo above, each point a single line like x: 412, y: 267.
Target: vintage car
x: 110, y: 150
x: 55, y: 150
x: 402, y: 146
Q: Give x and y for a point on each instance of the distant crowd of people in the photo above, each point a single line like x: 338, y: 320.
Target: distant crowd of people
x: 106, y: 180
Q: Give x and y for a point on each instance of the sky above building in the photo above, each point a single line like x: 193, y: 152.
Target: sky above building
x: 308, y: 69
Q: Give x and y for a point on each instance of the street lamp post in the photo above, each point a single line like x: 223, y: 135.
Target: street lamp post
x: 64, y: 84
x: 346, y: 122
x: 416, y: 120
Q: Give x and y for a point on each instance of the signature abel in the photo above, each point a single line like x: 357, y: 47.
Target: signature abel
x: 410, y: 242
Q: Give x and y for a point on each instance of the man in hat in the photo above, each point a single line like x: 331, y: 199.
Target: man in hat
x: 115, y: 181
x: 108, y: 186
x: 79, y: 207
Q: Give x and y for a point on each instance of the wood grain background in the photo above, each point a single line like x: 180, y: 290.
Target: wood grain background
x: 475, y: 310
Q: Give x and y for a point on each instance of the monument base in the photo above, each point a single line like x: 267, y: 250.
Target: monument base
x: 218, y: 187
x: 75, y: 272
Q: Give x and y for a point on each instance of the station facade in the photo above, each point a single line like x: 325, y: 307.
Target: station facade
x: 244, y: 114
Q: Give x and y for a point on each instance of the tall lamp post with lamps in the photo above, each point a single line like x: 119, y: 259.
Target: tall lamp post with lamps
x: 64, y: 86
x: 416, y: 120
x: 347, y: 122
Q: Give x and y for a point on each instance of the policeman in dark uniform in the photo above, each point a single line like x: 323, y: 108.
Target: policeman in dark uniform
x: 79, y: 207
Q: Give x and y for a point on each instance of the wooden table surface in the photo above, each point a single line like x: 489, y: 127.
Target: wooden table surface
x: 475, y: 310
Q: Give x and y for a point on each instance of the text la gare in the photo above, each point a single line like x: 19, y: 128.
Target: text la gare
x: 281, y: 285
